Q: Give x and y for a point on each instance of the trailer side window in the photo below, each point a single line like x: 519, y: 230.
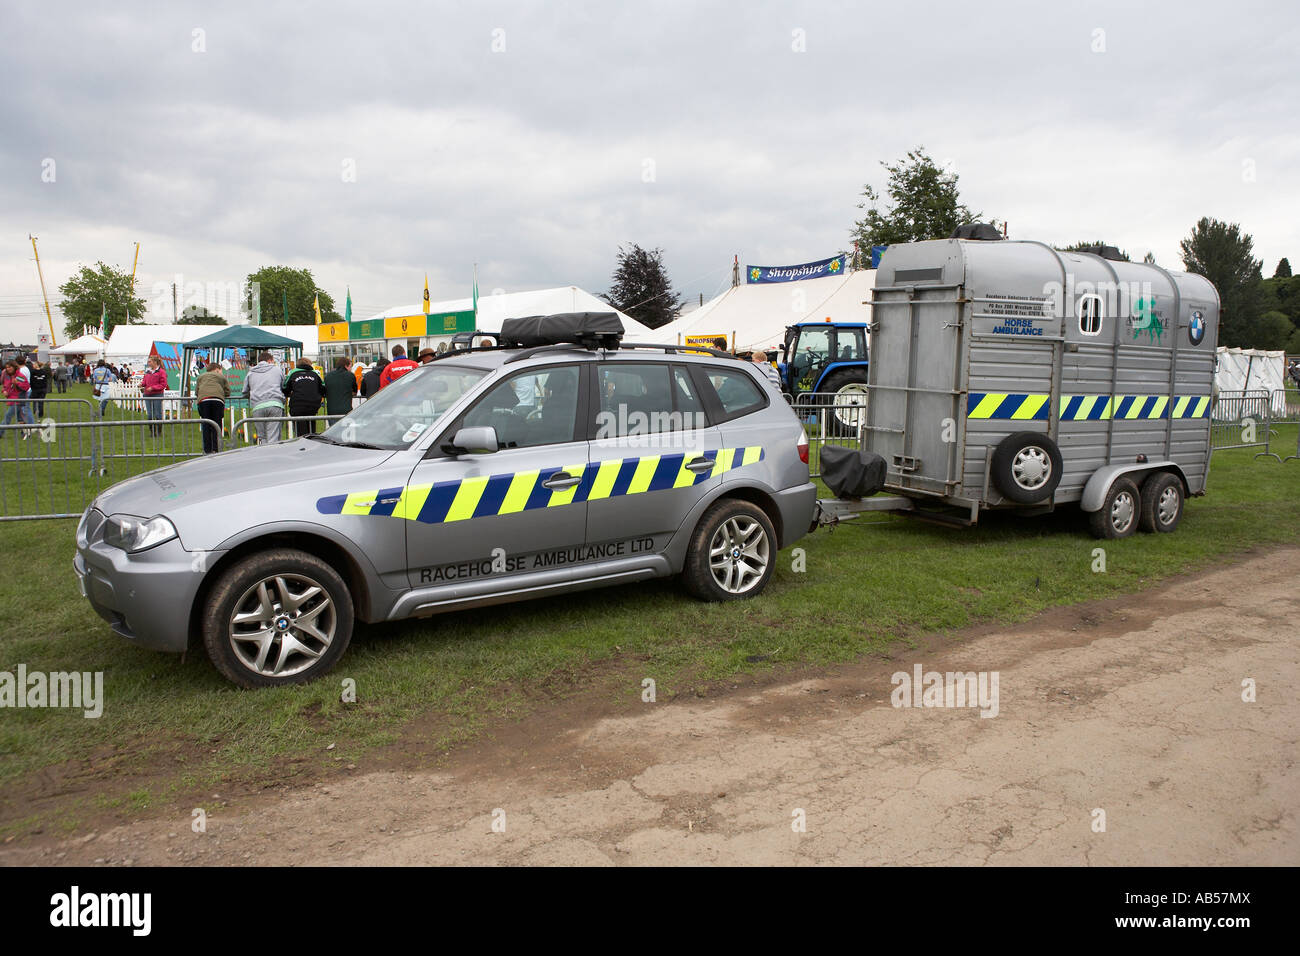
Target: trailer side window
x: 1090, y: 314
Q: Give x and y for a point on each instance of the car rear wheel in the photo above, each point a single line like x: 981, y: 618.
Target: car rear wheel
x: 1119, y: 513
x: 731, y: 553
x: 279, y: 617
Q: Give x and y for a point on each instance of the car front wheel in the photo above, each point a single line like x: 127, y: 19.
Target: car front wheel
x: 278, y: 617
x: 731, y: 553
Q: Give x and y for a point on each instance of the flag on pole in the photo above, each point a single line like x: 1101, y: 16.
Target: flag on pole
x: 426, y: 293
x: 347, y: 313
x: 476, y: 295
x: 284, y: 298
x: 315, y: 307
x: 103, y: 317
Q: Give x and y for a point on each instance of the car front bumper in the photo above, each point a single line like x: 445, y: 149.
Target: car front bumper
x: 145, y: 597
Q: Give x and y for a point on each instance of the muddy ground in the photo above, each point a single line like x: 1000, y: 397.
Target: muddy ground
x: 1132, y: 708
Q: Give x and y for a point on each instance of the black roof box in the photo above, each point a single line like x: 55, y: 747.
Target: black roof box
x: 977, y: 230
x: 588, y: 329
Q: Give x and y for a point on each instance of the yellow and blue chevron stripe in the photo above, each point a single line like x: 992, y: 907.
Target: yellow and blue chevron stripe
x: 1019, y: 406
x: 512, y: 492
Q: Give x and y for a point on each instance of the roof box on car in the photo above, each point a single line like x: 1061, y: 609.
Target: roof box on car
x: 588, y: 329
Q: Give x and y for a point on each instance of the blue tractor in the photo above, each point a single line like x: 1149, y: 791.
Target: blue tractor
x: 825, y: 366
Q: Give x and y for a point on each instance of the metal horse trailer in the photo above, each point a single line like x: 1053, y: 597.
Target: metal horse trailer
x: 1011, y: 375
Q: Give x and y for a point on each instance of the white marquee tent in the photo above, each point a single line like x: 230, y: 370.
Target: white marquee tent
x: 755, y: 316
x: 84, y: 345
x: 1250, y: 370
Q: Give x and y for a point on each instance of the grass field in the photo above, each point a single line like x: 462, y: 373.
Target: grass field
x: 171, y: 727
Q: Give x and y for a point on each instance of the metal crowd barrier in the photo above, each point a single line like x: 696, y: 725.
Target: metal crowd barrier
x: 1243, y: 419
x: 828, y: 418
x: 246, y: 427
x: 55, y: 469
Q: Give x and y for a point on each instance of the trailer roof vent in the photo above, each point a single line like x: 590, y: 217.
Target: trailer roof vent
x: 1106, y: 252
x: 984, y: 231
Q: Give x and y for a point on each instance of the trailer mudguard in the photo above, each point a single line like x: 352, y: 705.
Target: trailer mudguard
x: 1094, y: 492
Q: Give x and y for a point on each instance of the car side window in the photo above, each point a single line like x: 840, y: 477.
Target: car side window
x: 737, y: 392
x: 644, y: 400
x: 536, y: 407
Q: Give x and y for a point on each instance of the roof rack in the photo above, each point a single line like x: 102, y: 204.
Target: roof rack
x: 574, y: 347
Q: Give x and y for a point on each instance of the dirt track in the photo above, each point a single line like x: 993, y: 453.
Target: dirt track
x: 1132, y: 706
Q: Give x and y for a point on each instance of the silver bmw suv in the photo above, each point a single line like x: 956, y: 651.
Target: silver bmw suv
x: 556, y: 461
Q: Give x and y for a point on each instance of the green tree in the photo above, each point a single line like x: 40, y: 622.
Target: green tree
x: 198, y: 315
x: 923, y: 204
x: 91, y: 291
x: 1222, y: 253
x: 1272, y: 331
x: 275, y: 281
x: 640, y: 287
x: 1283, y: 270
x: 1088, y: 246
x: 1149, y: 258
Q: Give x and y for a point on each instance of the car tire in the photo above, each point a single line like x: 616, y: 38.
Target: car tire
x: 265, y: 601
x: 731, y: 553
x: 1120, y: 513
x: 1162, y: 502
x: 850, y: 388
x: 1027, y: 467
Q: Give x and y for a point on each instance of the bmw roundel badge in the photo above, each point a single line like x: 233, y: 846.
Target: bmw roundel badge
x: 1196, y: 328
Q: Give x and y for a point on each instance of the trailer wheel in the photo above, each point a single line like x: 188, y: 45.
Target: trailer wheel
x: 1027, y: 467
x: 1120, y: 512
x: 1162, y: 502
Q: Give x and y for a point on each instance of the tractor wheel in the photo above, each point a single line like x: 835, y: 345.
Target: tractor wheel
x: 848, y: 388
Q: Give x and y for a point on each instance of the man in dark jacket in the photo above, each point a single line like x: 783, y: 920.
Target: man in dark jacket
x: 40, y: 375
x: 370, y: 381
x: 304, y: 390
x: 340, y: 386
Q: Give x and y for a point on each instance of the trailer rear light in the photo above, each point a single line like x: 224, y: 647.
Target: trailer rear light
x: 803, y: 446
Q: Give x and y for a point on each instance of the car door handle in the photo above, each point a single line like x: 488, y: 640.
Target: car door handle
x: 561, y: 481
x: 700, y: 465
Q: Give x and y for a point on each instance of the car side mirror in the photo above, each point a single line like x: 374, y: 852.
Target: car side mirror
x: 480, y: 440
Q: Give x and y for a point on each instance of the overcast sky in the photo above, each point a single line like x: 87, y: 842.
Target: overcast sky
x: 534, y: 137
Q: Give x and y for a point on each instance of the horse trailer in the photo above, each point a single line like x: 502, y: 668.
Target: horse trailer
x: 1011, y: 375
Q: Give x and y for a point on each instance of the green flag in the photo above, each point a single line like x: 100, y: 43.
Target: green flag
x: 347, y: 313
x: 476, y: 295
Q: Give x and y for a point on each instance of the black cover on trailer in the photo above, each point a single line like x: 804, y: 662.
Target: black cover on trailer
x: 851, y: 472
x: 584, y: 328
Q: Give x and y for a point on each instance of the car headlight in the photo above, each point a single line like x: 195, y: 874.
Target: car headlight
x: 82, y: 538
x: 133, y: 534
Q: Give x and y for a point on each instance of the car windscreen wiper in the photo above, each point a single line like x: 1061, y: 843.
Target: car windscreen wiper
x: 318, y: 437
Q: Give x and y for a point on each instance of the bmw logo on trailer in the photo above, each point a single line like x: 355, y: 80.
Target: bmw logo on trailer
x: 1196, y: 328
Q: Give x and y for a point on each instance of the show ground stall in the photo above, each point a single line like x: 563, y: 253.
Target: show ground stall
x: 409, y: 326
x: 755, y: 316
x: 1253, y: 370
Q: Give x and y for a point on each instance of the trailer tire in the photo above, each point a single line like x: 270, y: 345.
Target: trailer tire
x: 1162, y: 502
x: 1027, y: 467
x: 1120, y: 513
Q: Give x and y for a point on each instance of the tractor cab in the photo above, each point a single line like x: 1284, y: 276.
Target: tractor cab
x: 829, y: 360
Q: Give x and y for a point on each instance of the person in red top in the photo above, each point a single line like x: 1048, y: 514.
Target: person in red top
x: 152, y: 387
x: 398, y: 367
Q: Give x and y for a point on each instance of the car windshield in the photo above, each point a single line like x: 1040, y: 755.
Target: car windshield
x: 404, y: 410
